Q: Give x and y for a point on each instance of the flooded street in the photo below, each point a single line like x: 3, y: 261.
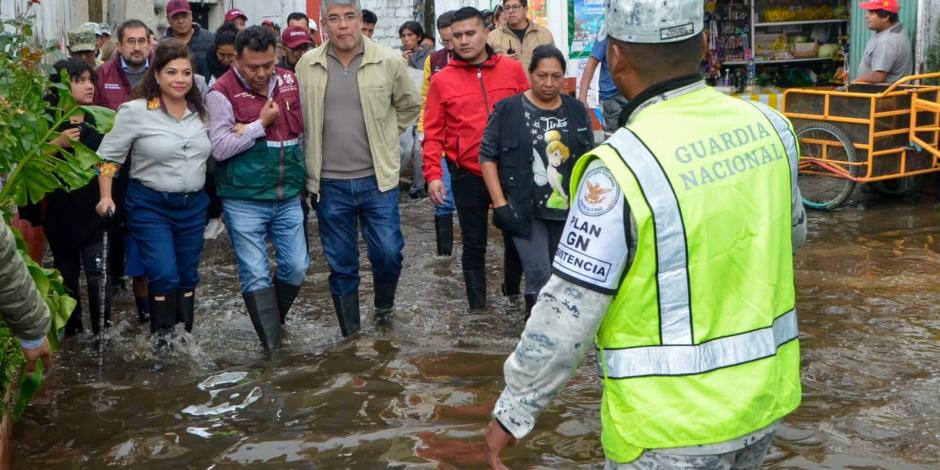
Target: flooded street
x: 416, y: 394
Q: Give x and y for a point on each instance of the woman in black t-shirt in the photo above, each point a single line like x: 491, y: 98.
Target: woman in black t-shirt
x: 527, y: 168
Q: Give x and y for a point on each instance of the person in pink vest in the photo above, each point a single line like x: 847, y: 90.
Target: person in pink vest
x: 256, y: 126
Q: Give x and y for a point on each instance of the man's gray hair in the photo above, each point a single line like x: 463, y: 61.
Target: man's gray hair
x: 326, y: 4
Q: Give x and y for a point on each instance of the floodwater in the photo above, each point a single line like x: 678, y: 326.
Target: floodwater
x: 416, y: 394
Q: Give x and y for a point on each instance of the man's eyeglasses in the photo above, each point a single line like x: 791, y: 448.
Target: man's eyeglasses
x: 301, y: 49
x: 513, y: 7
x: 136, y: 42
x: 347, y: 18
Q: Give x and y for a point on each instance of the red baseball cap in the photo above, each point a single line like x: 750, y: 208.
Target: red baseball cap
x: 267, y: 21
x: 890, y: 6
x: 295, y: 35
x: 177, y: 6
x: 235, y: 13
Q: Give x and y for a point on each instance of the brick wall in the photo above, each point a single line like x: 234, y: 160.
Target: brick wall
x: 391, y: 13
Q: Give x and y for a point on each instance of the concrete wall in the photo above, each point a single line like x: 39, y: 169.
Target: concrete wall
x: 391, y: 13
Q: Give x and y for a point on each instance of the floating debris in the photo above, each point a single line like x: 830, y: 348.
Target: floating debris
x: 224, y: 378
x: 226, y: 407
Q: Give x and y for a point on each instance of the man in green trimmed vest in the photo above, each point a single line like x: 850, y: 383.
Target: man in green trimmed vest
x: 256, y: 127
x: 677, y: 259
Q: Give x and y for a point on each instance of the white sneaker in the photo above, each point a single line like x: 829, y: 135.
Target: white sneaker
x: 214, y: 228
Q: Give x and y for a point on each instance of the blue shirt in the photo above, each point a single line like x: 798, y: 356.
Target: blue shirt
x: 606, y: 83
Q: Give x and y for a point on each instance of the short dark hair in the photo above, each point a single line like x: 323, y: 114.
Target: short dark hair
x: 547, y: 51
x: 226, y: 34
x: 132, y: 24
x: 892, y: 17
x: 74, y: 68
x: 524, y: 3
x: 297, y: 16
x: 255, y: 38
x: 467, y: 13
x: 412, y: 26
x: 665, y: 58
x: 445, y: 19
x: 167, y: 51
x: 368, y: 16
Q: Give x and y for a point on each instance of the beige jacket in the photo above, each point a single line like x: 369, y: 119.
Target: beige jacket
x: 390, y: 103
x: 502, y: 40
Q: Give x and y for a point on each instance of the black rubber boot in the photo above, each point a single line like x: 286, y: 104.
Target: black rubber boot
x: 95, y: 301
x: 162, y: 312
x: 444, y: 233
x: 186, y: 308
x: 262, y: 309
x: 143, y: 309
x: 347, y: 311
x: 476, y: 288
x: 530, y: 300
x: 286, y: 293
x: 384, y: 300
x: 512, y: 269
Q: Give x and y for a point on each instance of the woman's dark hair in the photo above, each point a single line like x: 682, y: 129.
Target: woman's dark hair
x: 414, y: 27
x: 167, y: 51
x: 255, y: 38
x: 75, y: 68
x: 226, y: 34
x: 546, y: 51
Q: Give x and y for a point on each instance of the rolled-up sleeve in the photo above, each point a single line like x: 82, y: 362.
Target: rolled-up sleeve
x: 116, y: 144
x: 225, y: 142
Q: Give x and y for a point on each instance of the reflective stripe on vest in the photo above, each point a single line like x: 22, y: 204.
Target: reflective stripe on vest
x: 678, y: 355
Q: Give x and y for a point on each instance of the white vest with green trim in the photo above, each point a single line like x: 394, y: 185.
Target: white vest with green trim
x: 700, y: 343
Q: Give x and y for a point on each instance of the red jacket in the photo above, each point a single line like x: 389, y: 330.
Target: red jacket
x: 460, y: 100
x: 111, y: 86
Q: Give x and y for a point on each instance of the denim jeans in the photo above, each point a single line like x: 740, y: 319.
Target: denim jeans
x: 344, y: 204
x: 251, y: 224
x: 448, y: 207
x: 168, y: 230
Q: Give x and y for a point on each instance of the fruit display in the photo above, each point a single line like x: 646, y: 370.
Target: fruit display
x: 777, y: 14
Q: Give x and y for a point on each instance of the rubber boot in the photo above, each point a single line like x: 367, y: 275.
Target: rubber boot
x: 143, y: 309
x: 512, y: 269
x: 186, y: 308
x: 530, y: 300
x: 286, y: 293
x: 384, y: 300
x: 162, y: 316
x: 476, y: 288
x: 262, y: 309
x: 95, y: 301
x: 444, y: 233
x: 347, y: 311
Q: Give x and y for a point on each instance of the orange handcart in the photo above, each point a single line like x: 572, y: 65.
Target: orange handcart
x: 886, y: 135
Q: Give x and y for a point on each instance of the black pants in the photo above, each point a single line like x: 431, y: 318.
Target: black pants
x: 71, y: 261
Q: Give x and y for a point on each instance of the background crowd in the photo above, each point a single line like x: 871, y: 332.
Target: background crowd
x: 251, y: 129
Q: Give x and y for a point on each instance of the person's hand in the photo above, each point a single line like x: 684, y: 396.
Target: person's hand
x: 65, y: 139
x: 496, y: 439
x: 436, y: 192
x: 105, y: 207
x: 269, y: 113
x: 239, y: 128
x: 44, y: 352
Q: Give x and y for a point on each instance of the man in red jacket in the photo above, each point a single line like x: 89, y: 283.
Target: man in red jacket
x: 460, y: 100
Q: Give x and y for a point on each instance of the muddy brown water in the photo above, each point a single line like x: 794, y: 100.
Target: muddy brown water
x: 416, y: 394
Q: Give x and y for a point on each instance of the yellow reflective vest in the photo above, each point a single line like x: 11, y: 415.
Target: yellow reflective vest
x: 699, y: 345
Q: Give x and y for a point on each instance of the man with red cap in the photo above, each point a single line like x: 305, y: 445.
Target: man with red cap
x: 238, y: 17
x: 180, y: 16
x: 888, y: 55
x: 295, y: 41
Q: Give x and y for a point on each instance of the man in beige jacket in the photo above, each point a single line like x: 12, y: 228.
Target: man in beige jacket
x: 519, y: 37
x: 357, y: 98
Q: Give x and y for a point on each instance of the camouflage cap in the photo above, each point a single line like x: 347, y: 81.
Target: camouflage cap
x: 652, y: 21
x: 81, y: 40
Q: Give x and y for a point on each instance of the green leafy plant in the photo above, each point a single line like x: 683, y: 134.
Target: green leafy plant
x: 34, y: 167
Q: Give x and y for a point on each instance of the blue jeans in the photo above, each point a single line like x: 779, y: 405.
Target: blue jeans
x: 251, y: 224
x: 168, y: 230
x: 343, y: 205
x: 448, y: 207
